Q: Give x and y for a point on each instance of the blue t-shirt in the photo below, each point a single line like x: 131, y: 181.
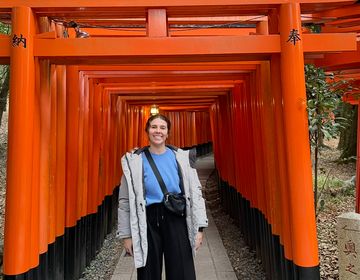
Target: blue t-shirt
x: 166, y: 163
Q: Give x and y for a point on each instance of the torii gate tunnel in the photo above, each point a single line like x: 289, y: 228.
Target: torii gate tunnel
x: 77, y: 104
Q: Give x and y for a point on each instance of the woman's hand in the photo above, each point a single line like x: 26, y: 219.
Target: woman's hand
x: 198, y: 240
x: 128, y: 245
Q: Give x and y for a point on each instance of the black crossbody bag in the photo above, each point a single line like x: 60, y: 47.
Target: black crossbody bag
x: 174, y: 202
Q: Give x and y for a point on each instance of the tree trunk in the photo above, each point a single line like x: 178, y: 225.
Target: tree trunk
x: 316, y: 169
x: 348, y: 137
x: 345, y: 111
x: 4, y: 90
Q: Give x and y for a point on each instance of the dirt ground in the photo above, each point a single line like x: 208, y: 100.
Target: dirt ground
x: 338, y: 200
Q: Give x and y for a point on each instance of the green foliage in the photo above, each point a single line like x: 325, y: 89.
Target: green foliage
x: 329, y: 189
x: 323, y: 98
x: 323, y: 94
x: 330, y: 182
x: 5, y: 28
x: 3, y: 71
x: 4, y: 75
x: 313, y: 28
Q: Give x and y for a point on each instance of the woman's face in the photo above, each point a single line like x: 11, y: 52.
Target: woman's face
x: 158, y: 132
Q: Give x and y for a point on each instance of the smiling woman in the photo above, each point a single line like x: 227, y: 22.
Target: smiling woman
x: 157, y: 128
x: 150, y: 227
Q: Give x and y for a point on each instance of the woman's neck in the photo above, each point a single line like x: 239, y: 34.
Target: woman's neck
x: 157, y: 149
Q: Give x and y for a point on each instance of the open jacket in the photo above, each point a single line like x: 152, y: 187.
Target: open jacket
x: 132, y: 210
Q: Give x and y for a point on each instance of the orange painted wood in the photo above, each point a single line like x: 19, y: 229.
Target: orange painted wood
x: 108, y: 47
x: 301, y: 199
x: 331, y: 29
x: 280, y: 151
x: 205, y: 4
x: 106, y: 118
x: 60, y: 149
x: 94, y: 153
x: 262, y: 28
x: 256, y: 138
x: 101, y: 32
x: 52, y: 200
x: 341, y: 61
x: 115, y: 179
x: 111, y: 173
x: 44, y: 170
x: 329, y: 42
x: 270, y: 164
x: 21, y: 227
x: 119, y: 151
x: 151, y: 69
x: 231, y: 45
x: 46, y: 35
x: 236, y: 110
x: 259, y: 44
x: 343, y: 12
x: 83, y: 159
x: 91, y: 186
x: 35, y: 199
x: 156, y: 25
x: 72, y: 145
x: 5, y: 48
x: 177, y: 32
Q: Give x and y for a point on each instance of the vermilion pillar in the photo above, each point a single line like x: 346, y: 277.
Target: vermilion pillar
x: 285, y: 237
x: 21, y: 223
x: 300, y: 192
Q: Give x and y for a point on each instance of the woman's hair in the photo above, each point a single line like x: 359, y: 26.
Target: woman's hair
x: 157, y: 116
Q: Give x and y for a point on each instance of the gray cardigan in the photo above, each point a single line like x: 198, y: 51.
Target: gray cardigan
x: 132, y: 211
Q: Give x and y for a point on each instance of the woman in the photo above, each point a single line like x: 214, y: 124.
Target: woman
x: 151, y: 231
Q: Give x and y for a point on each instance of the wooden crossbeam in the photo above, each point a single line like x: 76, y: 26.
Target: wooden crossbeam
x: 352, y: 29
x: 329, y: 42
x: 157, y: 46
x: 181, y: 46
x: 343, y: 12
x: 175, y: 8
x: 172, y: 89
x: 340, y: 61
x: 151, y: 3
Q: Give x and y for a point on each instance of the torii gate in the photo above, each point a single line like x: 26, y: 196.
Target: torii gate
x: 34, y: 45
x: 345, y: 19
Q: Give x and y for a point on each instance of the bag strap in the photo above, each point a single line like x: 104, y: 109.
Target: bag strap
x: 156, y: 171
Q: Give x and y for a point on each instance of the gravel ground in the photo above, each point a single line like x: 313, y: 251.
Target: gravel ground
x: 246, y: 266
x: 243, y: 260
x: 3, y: 156
x: 105, y: 262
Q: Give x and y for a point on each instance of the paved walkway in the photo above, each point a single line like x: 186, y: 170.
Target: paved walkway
x: 211, y: 262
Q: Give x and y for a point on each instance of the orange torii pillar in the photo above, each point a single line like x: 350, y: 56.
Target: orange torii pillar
x: 300, y: 192
x: 22, y: 202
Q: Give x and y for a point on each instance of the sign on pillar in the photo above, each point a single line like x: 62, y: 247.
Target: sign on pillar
x: 348, y: 227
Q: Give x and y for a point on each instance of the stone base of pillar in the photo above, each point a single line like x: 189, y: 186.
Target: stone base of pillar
x: 348, y: 228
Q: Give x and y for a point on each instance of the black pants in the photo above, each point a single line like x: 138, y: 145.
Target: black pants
x: 167, y: 235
